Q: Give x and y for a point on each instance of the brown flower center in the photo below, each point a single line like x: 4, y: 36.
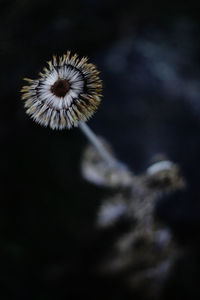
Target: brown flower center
x: 60, y: 87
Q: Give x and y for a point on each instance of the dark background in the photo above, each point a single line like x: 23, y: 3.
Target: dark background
x: 149, y: 57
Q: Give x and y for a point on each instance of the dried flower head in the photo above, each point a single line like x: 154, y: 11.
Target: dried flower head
x: 67, y: 92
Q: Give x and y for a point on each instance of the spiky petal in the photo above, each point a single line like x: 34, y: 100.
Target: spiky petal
x: 67, y: 91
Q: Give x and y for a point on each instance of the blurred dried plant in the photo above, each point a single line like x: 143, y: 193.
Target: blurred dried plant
x: 143, y: 255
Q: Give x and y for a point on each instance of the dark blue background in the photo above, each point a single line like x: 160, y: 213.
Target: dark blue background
x: 148, y: 55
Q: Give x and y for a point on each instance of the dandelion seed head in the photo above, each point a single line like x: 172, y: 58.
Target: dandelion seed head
x: 67, y: 92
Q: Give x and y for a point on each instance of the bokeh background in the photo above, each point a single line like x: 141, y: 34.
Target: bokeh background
x: 149, y: 57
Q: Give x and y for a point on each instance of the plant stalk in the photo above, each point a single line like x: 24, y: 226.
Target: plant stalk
x: 103, y: 152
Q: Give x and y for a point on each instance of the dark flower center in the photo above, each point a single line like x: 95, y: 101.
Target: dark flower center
x: 60, y: 87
